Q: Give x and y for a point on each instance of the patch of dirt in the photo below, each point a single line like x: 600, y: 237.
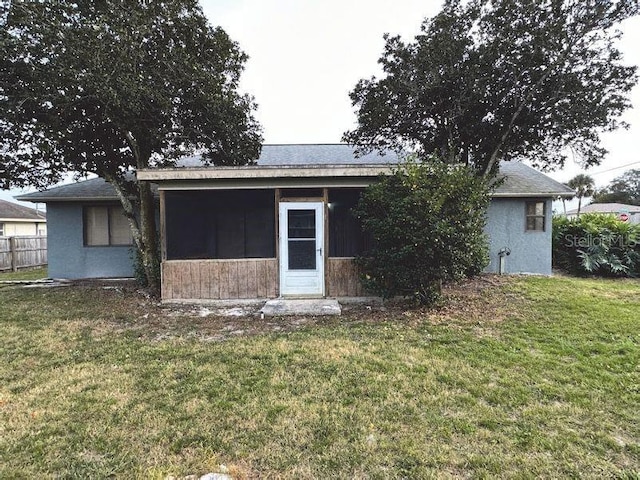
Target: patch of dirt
x: 482, y: 302
x: 478, y: 304
x: 481, y: 297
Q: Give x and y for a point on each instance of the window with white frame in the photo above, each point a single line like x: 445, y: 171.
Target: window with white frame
x: 535, y: 216
x: 1, y: 229
x: 106, y: 225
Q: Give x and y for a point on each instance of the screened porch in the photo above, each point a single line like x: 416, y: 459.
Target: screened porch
x: 224, y: 244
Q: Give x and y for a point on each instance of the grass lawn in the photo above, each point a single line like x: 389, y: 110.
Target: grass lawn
x: 26, y: 274
x: 525, y: 377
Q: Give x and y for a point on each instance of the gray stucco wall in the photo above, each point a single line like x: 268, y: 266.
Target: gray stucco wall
x: 530, y: 251
x: 69, y: 258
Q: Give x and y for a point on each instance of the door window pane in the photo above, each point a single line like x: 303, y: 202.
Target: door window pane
x: 302, y: 254
x: 301, y: 223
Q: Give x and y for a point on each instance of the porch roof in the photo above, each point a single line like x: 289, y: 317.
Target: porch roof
x: 271, y: 171
x: 519, y: 180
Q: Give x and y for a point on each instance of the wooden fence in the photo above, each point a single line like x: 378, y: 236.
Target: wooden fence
x: 22, y: 252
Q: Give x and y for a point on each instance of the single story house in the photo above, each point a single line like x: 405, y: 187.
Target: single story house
x: 279, y: 228
x: 20, y: 221
x: 628, y: 213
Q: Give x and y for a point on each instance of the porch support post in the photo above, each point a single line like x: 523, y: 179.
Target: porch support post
x: 277, y: 196
x: 163, y: 227
x: 325, y: 201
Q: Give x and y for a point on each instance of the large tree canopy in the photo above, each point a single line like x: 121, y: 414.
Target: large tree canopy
x: 623, y: 189
x: 493, y: 80
x: 111, y: 86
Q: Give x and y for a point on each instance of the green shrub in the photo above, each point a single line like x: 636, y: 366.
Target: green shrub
x: 596, y: 244
x: 427, y: 225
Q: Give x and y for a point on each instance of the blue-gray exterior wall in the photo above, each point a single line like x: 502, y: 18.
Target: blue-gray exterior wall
x: 69, y: 258
x: 530, y: 251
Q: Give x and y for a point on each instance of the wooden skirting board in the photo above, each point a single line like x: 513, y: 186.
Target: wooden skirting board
x: 246, y: 279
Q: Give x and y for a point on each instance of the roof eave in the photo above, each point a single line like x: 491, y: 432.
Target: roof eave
x: 532, y: 194
x: 249, y: 172
x: 23, y: 220
x: 26, y: 198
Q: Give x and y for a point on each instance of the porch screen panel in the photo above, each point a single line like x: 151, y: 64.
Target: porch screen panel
x: 220, y: 224
x: 346, y: 238
x: 188, y: 221
x: 230, y: 234
x: 301, y: 193
x: 260, y: 233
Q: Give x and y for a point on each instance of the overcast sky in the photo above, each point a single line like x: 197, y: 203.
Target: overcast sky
x: 305, y: 57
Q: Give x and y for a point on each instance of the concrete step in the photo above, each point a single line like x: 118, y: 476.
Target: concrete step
x: 284, y: 306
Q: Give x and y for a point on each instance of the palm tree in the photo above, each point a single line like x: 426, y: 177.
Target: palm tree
x: 564, y: 202
x: 583, y: 185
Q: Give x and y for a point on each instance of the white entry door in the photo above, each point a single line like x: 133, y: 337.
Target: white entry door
x: 302, y: 248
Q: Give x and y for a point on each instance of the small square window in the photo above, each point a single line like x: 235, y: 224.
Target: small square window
x: 535, y: 216
x: 106, y: 225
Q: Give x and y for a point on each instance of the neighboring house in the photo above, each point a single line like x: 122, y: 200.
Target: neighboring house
x: 19, y: 221
x: 630, y: 212
x: 280, y: 228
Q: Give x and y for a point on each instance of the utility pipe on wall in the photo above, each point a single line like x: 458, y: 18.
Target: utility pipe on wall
x: 502, y: 254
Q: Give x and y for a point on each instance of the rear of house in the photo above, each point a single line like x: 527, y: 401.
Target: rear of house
x: 88, y: 235
x: 280, y: 228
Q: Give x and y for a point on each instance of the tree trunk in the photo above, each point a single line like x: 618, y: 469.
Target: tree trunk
x: 149, y: 251
x: 143, y: 230
x: 579, y: 206
x: 148, y: 234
